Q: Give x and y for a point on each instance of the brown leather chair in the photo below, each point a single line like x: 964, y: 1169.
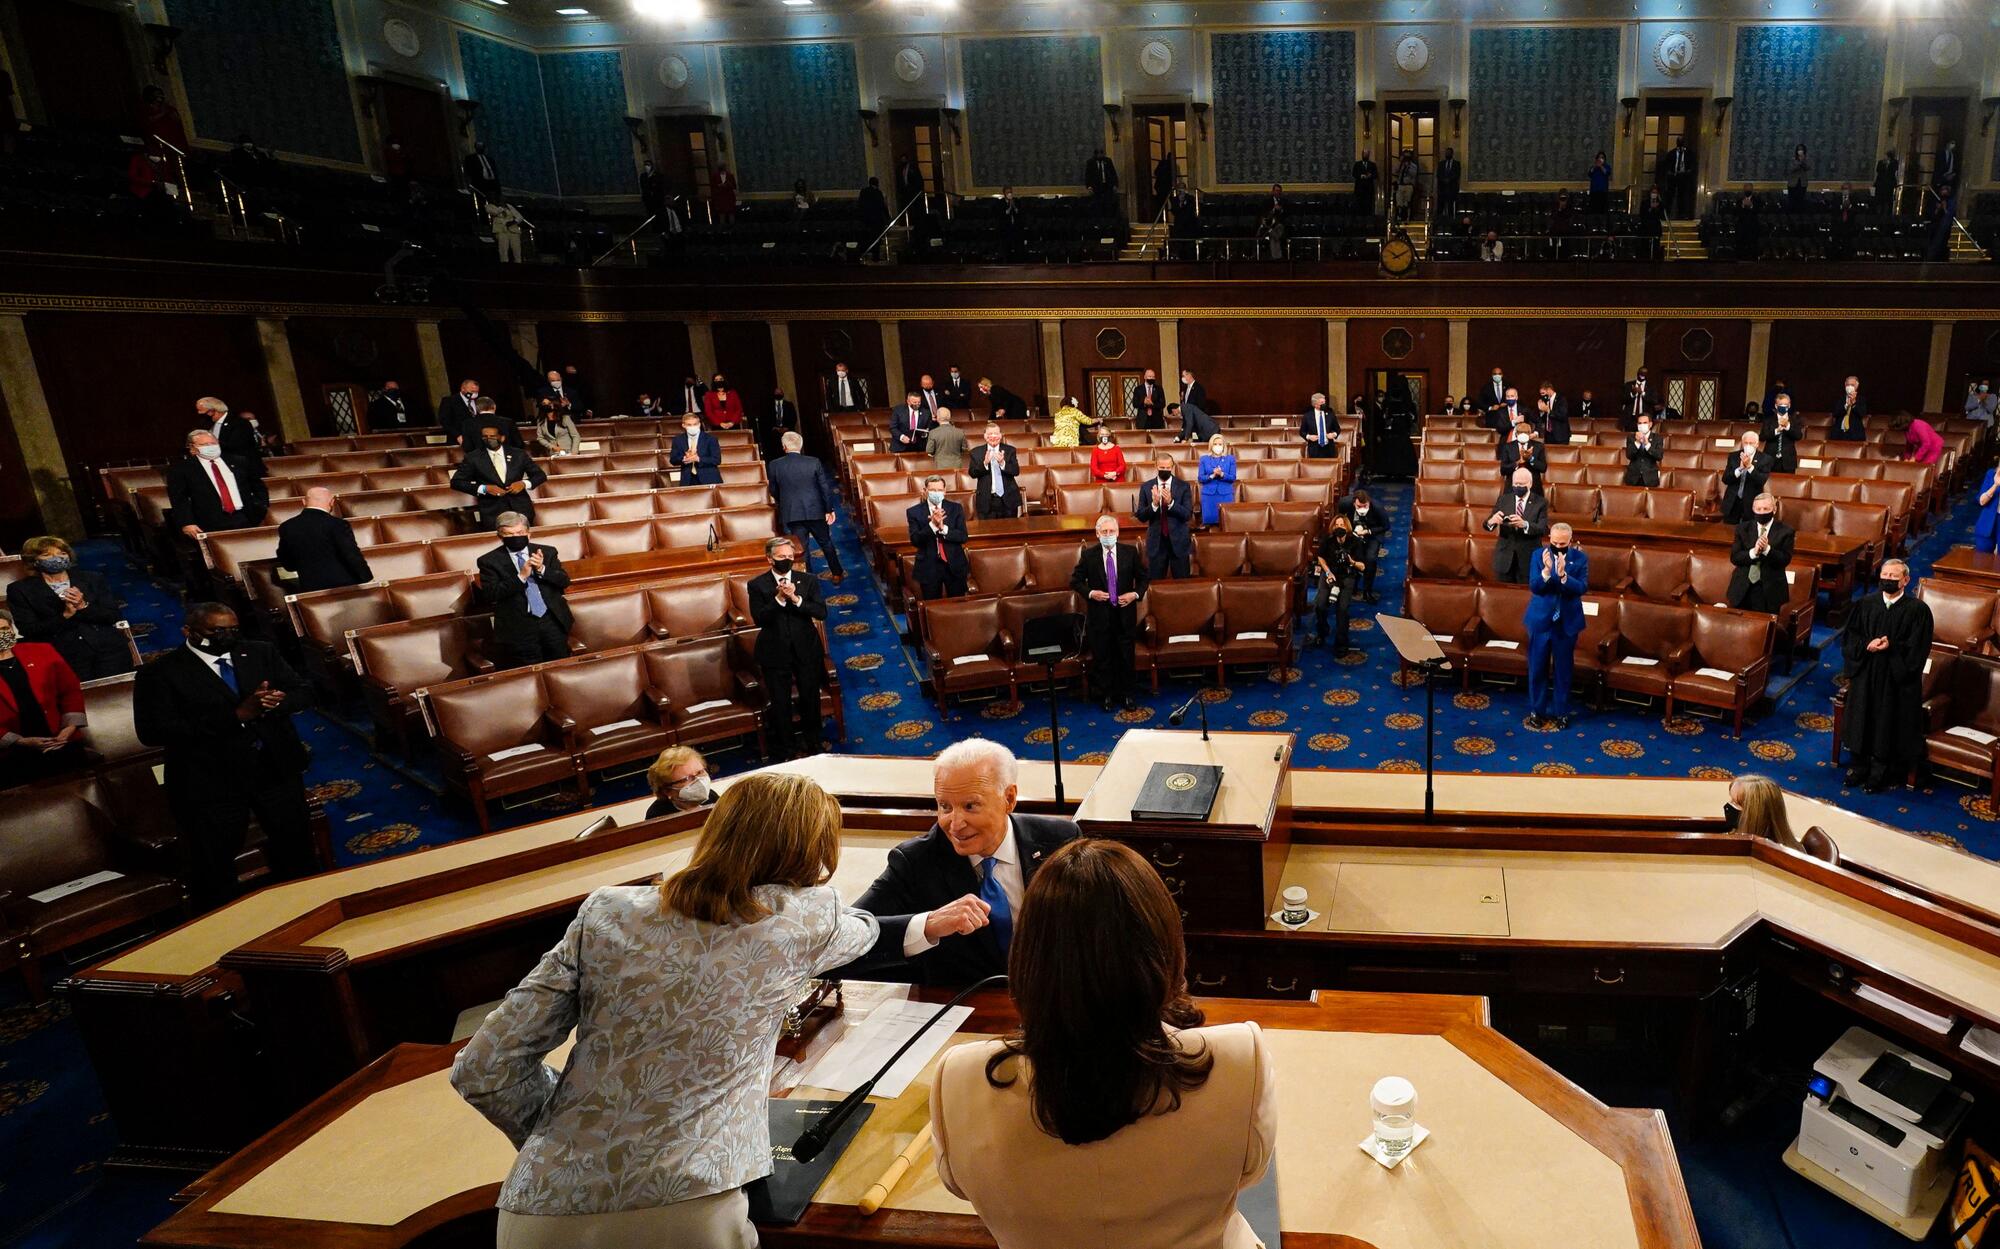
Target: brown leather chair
x: 1566, y: 475
x: 1863, y: 522
x: 1441, y: 493
x: 1624, y: 502
x: 1088, y: 499
x: 1595, y: 644
x: 482, y: 716
x: 1709, y: 573
x: 964, y: 649
x: 1256, y: 621
x: 1428, y: 519
x: 1964, y: 727
x: 1293, y: 517
x: 1449, y: 611
x: 1250, y: 490
x: 1834, y: 489
x: 996, y: 569
x: 1649, y: 631
x: 619, y: 537
x: 608, y: 619
x: 1575, y: 504
x: 1016, y: 610
x: 437, y: 594
x: 324, y: 619
x: 602, y: 703
x: 1277, y: 554
x: 1446, y: 557
x: 1670, y: 505
x: 1498, y: 643
x: 371, y: 503
x: 747, y: 524
x: 566, y: 486
x: 630, y: 506
x: 575, y: 511
x: 1788, y: 486
x: 1051, y: 563
x: 692, y: 531
x: 112, y: 739
x: 1610, y: 568
x: 1034, y: 484
x: 1244, y: 517
x: 1318, y: 493
x: 1962, y: 616
x: 726, y: 497
x: 680, y: 500
x: 411, y: 527
x: 697, y: 607
x: 1806, y: 515
x: 704, y: 691
x: 1660, y: 574
x: 1220, y: 554
x: 1182, y: 629
x: 1724, y: 640
x: 401, y: 658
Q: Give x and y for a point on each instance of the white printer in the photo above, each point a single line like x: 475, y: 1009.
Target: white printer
x: 1882, y: 1120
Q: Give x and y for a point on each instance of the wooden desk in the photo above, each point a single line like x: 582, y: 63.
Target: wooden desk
x: 604, y: 571
x: 1518, y: 1156
x: 1962, y: 563
x: 1035, y: 527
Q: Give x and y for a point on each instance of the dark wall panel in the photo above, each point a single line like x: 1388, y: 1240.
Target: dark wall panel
x: 1255, y: 365
x: 1669, y: 349
x: 467, y: 353
x: 1575, y: 355
x: 1081, y: 354
x: 141, y: 409
x: 616, y: 362
x: 1009, y: 352
x: 816, y: 345
x: 1369, y: 342
x: 356, y: 350
x: 20, y: 514
x: 743, y: 353
x: 1890, y: 357
x: 1975, y: 353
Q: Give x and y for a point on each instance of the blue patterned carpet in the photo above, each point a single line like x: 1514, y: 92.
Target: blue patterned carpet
x: 1352, y: 714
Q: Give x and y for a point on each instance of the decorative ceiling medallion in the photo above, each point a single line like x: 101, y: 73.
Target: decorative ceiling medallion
x: 1156, y: 58
x: 401, y: 37
x: 909, y: 64
x: 1413, y: 54
x: 1947, y: 50
x: 1397, y: 343
x: 673, y: 73
x: 1675, y: 53
x: 1697, y: 345
x: 1111, y: 343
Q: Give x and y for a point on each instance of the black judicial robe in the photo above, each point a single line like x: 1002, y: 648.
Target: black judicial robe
x: 1885, y: 690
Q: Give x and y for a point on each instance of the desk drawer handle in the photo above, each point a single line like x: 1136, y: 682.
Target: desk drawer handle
x: 1165, y: 849
x: 1174, y: 885
x: 1203, y: 982
x: 1287, y: 987
x: 1601, y: 978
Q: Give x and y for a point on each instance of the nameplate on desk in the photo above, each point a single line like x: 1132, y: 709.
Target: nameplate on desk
x: 1178, y: 791
x: 1715, y: 673
x: 1579, y: 440
x: 588, y: 446
x: 1504, y: 644
x: 1812, y: 463
x: 710, y: 705
x: 956, y: 660
x: 1640, y: 661
x: 602, y: 729
x: 1184, y: 637
x: 57, y: 892
x: 1589, y: 608
x: 862, y: 448
x: 513, y: 751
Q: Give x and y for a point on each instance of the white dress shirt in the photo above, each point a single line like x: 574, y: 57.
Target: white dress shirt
x: 219, y: 465
x: 210, y: 660
x: 841, y: 392
x: 1007, y: 873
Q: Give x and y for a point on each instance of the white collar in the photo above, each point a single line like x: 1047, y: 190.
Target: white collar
x: 1008, y: 851
x: 1891, y: 602
x: 205, y: 657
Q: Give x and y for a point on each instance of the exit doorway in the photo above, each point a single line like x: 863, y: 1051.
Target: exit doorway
x: 1935, y: 123
x: 684, y: 145
x: 1108, y: 392
x: 1669, y: 121
x: 915, y: 133
x: 1159, y: 132
x: 416, y: 117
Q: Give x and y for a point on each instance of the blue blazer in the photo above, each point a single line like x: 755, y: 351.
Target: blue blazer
x: 803, y: 488
x: 1987, y: 527
x: 1216, y: 491
x: 1556, y: 604
x: 707, y: 469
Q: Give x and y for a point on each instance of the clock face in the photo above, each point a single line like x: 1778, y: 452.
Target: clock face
x: 401, y: 37
x: 1156, y: 58
x: 1412, y: 54
x: 1947, y: 50
x: 673, y: 73
x: 909, y: 64
x: 1398, y: 255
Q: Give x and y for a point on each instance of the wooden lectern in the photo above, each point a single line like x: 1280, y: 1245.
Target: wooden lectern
x: 1238, y: 853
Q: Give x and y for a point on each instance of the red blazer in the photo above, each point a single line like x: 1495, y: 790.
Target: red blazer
x: 724, y: 410
x: 53, y: 681
x: 1107, y: 465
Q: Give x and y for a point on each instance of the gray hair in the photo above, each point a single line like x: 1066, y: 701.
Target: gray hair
x: 792, y: 440
x: 944, y: 415
x: 199, y: 433
x: 1887, y: 564
x: 980, y: 752
x: 507, y: 520
x: 1563, y: 527
x: 783, y: 539
x: 1766, y: 495
x: 209, y: 403
x: 1318, y: 397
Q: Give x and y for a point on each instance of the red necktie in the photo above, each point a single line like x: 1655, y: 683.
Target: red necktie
x: 222, y: 487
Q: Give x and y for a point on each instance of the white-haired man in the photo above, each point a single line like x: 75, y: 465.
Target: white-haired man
x: 1320, y: 429
x: 947, y: 900
x: 1558, y: 576
x: 236, y: 434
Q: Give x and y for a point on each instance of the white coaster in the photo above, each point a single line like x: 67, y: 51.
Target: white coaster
x: 1277, y: 917
x: 1368, y: 1147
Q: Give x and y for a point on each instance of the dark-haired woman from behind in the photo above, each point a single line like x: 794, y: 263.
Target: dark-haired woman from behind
x: 1112, y: 1118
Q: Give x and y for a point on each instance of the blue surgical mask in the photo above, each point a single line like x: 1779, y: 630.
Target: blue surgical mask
x: 935, y: 496
x: 1107, y: 540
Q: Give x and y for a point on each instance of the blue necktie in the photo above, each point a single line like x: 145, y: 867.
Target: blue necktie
x: 227, y: 671
x: 536, y: 606
x: 1002, y: 915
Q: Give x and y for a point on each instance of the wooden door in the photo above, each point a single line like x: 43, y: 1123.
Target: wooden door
x: 1108, y: 392
x: 1696, y: 396
x: 1157, y: 131
x: 416, y: 116
x: 81, y: 63
x: 1668, y: 121
x: 914, y: 133
x: 684, y: 156
x: 1934, y: 122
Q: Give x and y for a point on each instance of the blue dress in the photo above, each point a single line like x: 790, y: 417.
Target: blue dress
x: 1986, y: 529
x: 1216, y: 491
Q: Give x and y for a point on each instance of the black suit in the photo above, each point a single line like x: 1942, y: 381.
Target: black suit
x: 1770, y: 592
x: 475, y: 473
x: 790, y: 651
x: 523, y: 637
x: 460, y: 420
x: 772, y: 421
x: 88, y: 640
x: 1740, y: 487
x: 1449, y: 172
x: 926, y: 873
x: 940, y: 556
x: 1370, y: 533
x: 1516, y: 546
x: 707, y: 467
x: 1194, y: 393
x: 984, y: 504
x: 240, y: 443
x: 806, y: 495
x: 1782, y: 445
x: 857, y: 394
x: 385, y: 412
x: 1531, y: 457
x: 1149, y: 405
x: 909, y: 427
x: 1850, y: 426
x: 1167, y: 540
x: 1555, y: 424
x: 1365, y: 177
x: 1586, y: 409
x: 1109, y: 629
x: 684, y: 399
x: 220, y: 769
x: 1196, y: 424
x: 1005, y: 405
x: 1642, y: 464
x: 195, y: 501
x: 1309, y: 430
x: 956, y: 395
x: 320, y: 548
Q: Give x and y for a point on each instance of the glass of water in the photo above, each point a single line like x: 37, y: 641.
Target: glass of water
x: 1393, y: 1104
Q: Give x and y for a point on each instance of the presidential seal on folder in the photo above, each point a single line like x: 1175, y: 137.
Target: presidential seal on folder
x: 1178, y: 791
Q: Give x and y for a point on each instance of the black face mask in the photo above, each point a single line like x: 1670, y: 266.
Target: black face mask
x: 781, y: 566
x: 1166, y: 475
x: 215, y: 641
x: 515, y: 541
x: 1891, y: 586
x: 1559, y: 550
x: 1781, y: 411
x: 392, y: 392
x: 493, y: 444
x: 1732, y: 815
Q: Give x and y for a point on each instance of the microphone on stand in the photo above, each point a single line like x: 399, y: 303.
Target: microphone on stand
x: 815, y: 1138
x: 712, y: 544
x: 1180, y: 712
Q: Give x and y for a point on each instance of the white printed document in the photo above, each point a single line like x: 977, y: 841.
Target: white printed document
x: 861, y: 1053
x: 1715, y: 674
x: 68, y: 887
x: 509, y: 753
x: 602, y: 729
x: 710, y: 705
x: 1971, y: 734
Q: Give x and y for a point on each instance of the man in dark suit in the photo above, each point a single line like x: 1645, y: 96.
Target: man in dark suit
x: 1195, y: 424
x: 937, y: 531
x: 1743, y: 480
x: 1586, y: 406
x: 946, y: 900
x: 687, y: 397
x: 1503, y: 416
x: 995, y: 466
x: 786, y: 606
x: 1521, y: 520
x: 1149, y: 402
x: 1642, y: 455
x: 1005, y: 404
x: 910, y: 425
x: 1320, y: 428
x: 1370, y: 526
x: 458, y: 414
x: 221, y: 709
x: 1366, y: 176
x: 1523, y: 451
x: 1112, y: 580
x: 779, y: 416
x: 697, y: 455
x: 498, y: 477
x: 556, y: 391
x: 1762, y: 552
x: 1552, y: 415
x: 957, y: 392
x: 1850, y: 413
x: 238, y: 436
x: 212, y: 491
x: 1888, y: 172
x: 388, y: 410
x: 523, y: 582
x: 930, y: 396
x: 1558, y: 576
x: 844, y: 391
x: 1100, y: 176
x: 1449, y: 174
x: 1165, y: 505
x: 318, y: 548
x: 1637, y: 400
x: 1676, y: 177
x: 1780, y: 435
x: 1192, y: 391
x: 480, y: 173
x: 806, y: 496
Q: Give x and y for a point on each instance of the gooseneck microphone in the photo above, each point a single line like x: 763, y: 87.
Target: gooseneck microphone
x: 815, y: 1138
x: 1195, y: 700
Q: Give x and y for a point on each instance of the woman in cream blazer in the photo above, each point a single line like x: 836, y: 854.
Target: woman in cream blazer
x: 676, y: 992
x: 1156, y: 1124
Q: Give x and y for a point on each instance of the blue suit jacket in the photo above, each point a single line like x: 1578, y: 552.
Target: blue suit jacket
x: 803, y: 488
x: 1555, y: 604
x: 708, y: 460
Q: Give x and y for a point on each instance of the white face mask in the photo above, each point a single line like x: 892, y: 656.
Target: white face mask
x: 209, y: 451
x: 1361, y: 509
x: 1521, y: 438
x: 694, y: 790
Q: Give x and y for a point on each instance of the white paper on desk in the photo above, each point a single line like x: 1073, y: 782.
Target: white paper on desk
x: 1715, y: 674
x: 1504, y: 644
x: 1442, y: 637
x: 1589, y: 608
x: 511, y: 751
x: 1927, y: 667
x: 1185, y: 637
x: 1915, y: 1014
x: 68, y: 887
x: 602, y: 729
x: 588, y: 446
x: 864, y: 1049
x: 1790, y: 576
x: 861, y: 448
x: 1723, y: 444
x: 1280, y: 422
x: 1984, y: 1042
x: 1812, y: 463
x: 1579, y: 440
x: 1971, y: 734
x: 710, y: 705
x: 1639, y: 661
x: 956, y: 660
x: 1259, y: 636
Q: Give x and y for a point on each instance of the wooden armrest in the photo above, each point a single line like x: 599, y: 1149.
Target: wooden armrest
x: 480, y: 664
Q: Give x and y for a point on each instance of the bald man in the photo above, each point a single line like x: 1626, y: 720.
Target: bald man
x: 318, y: 548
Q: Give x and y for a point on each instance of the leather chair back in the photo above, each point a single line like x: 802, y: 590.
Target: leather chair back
x: 1431, y: 519
x: 644, y: 481
x: 609, y: 618
x: 1221, y: 554
x: 1503, y: 610
x: 597, y: 690
x: 391, y: 478
x: 1709, y: 573
x: 567, y: 541
x: 618, y: 537
x: 1051, y: 563
x: 1276, y: 554
x: 1834, y: 489
x: 689, y: 530
x: 50, y: 834
x: 621, y: 507
x: 1446, y: 556
x: 1962, y: 616
x: 1610, y: 568
x: 1622, y: 501
x: 685, y: 609
x: 574, y: 511
x: 677, y: 499
x: 1085, y: 500
x: 1660, y: 574
x: 692, y: 673
x: 1257, y: 491
x: 1441, y: 493
x: 1442, y: 607
x: 722, y: 497
x: 1807, y: 515
x: 747, y: 524
x: 996, y: 569
x: 114, y: 738
x: 1600, y: 623
x: 438, y: 594
x: 327, y: 617
x: 1652, y: 630
x: 1574, y: 500
x: 1868, y: 522
x: 376, y: 503
x: 1180, y: 607
x: 1671, y: 505
x: 411, y: 527
x: 1566, y: 474
x: 963, y: 627
x: 410, y: 655
x: 567, y: 486
x: 1295, y: 517
x: 1016, y: 610
x: 1244, y: 517
x: 1318, y: 493
x: 742, y: 474
x: 1734, y: 641
x: 1033, y: 483
x: 1788, y: 486
x: 1056, y: 475
x: 229, y: 550
x: 1256, y: 604
x: 489, y: 713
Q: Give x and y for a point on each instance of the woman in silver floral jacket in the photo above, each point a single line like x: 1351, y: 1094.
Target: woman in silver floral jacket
x: 676, y: 993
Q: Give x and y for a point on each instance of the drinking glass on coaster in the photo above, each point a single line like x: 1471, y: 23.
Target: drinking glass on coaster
x: 1392, y: 1106
x: 1294, y: 911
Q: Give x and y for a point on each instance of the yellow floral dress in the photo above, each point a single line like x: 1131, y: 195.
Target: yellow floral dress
x: 1069, y: 419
